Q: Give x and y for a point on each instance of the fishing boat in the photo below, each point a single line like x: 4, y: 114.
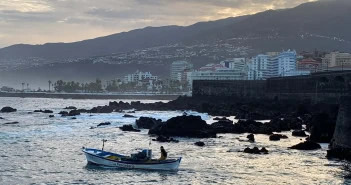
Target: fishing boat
x: 141, y: 160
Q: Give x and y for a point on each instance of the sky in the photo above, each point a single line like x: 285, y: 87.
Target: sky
x: 44, y: 21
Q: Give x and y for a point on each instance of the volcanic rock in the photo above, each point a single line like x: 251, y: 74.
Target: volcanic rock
x: 102, y: 124
x: 147, y: 123
x: 48, y: 111
x: 8, y: 109
x: 199, y: 143
x: 307, y: 145
x: 11, y: 123
x: 251, y: 137
x: 220, y: 119
x: 102, y: 109
x: 254, y: 150
x: 167, y: 139
x: 264, y: 150
x: 63, y: 113
x: 299, y: 133
x: 128, y: 116
x: 129, y: 128
x: 70, y: 107
x: 277, y: 137
x: 226, y: 126
x: 73, y: 113
x: 184, y: 126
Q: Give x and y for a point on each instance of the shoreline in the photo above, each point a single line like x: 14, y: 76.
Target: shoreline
x: 90, y: 95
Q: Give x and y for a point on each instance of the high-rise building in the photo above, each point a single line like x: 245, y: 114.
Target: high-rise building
x: 273, y: 64
x: 259, y: 67
x: 177, y: 69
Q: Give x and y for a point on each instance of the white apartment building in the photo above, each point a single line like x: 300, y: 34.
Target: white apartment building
x: 274, y: 64
x: 217, y: 72
x: 139, y: 76
x: 258, y: 67
x: 335, y: 59
x: 178, y: 67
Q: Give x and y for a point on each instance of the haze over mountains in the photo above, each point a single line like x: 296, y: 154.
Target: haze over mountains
x: 322, y: 25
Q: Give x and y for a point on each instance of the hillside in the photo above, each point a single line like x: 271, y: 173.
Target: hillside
x: 323, y: 25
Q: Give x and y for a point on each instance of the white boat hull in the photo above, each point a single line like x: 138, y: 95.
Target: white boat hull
x: 94, y: 156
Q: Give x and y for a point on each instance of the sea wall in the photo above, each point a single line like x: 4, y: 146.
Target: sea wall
x: 340, y: 145
x: 319, y: 87
x: 342, y: 133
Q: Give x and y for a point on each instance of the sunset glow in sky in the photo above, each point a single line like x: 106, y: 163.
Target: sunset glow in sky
x: 42, y: 21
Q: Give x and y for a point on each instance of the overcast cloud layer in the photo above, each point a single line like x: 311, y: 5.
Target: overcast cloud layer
x: 42, y: 21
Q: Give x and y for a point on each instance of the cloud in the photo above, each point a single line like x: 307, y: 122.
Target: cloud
x: 41, y: 21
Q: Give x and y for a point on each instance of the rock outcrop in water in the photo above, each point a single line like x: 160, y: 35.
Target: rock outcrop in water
x: 299, y: 133
x: 8, y: 109
x: 184, y: 126
x: 70, y: 107
x: 128, y: 116
x: 164, y: 139
x: 307, y: 145
x: 129, y: 128
x: 102, y: 109
x: 147, y: 123
x: 63, y: 113
x: 251, y: 137
x: 223, y: 126
x: 255, y: 150
x: 73, y: 113
x: 103, y: 124
x: 277, y: 137
x: 199, y: 143
x: 11, y: 123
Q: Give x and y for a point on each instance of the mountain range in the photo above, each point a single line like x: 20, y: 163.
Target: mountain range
x: 322, y: 25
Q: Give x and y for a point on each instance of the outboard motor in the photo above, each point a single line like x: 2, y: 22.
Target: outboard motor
x: 148, y: 153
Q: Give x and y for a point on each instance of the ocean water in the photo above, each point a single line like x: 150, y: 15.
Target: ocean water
x: 43, y: 150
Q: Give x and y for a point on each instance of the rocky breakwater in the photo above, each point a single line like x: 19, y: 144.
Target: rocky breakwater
x: 340, y: 145
x: 255, y: 127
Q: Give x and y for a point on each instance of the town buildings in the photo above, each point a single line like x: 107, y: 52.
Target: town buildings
x: 336, y: 60
x: 274, y: 64
x: 139, y: 76
x: 178, y: 68
x: 309, y: 64
x: 217, y: 72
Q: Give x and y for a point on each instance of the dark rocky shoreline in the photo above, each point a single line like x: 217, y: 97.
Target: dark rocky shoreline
x: 319, y: 119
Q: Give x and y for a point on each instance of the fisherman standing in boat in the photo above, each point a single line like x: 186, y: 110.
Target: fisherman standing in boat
x: 163, y: 154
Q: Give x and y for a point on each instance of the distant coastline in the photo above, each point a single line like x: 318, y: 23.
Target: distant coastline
x: 134, y: 96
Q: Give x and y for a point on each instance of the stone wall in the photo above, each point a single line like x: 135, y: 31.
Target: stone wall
x: 340, y: 146
x: 342, y: 133
x: 325, y: 87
